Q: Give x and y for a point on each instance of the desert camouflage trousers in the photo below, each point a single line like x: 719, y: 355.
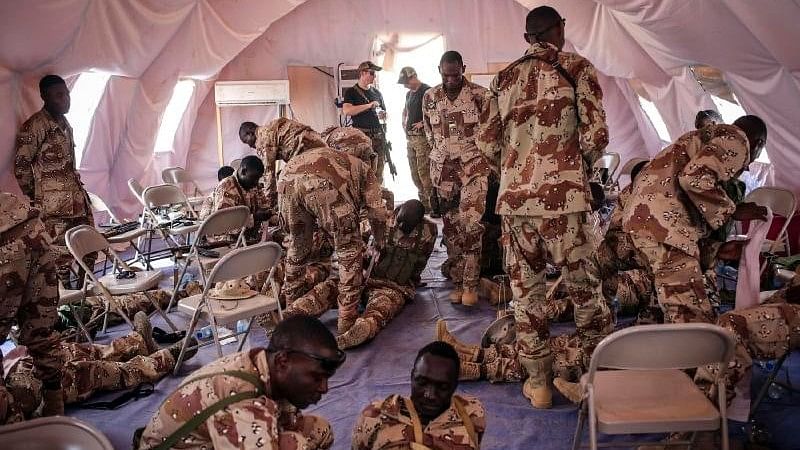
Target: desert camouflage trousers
x: 307, y: 432
x: 57, y: 228
x: 326, y: 210
x: 420, y: 165
x: 462, y: 192
x: 763, y: 332
x: 567, y: 241
x: 28, y: 299
x: 679, y: 283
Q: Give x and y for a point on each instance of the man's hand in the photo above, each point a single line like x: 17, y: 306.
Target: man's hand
x: 417, y: 126
x: 750, y: 211
x: 731, y: 250
x: 375, y: 104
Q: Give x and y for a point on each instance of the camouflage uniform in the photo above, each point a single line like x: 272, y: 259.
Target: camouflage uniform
x: 420, y: 165
x: 28, y: 290
x: 281, y: 140
x: 230, y: 193
x: 327, y: 189
x: 390, y: 424
x: 259, y: 422
x: 677, y: 200
x: 390, y: 286
x: 46, y: 173
x: 543, y: 136
x: 763, y: 332
x: 459, y: 172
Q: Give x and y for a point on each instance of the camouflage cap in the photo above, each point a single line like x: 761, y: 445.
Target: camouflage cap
x: 406, y: 73
x: 349, y: 140
x: 369, y: 65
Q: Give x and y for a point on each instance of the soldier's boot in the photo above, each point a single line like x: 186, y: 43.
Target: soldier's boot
x: 537, y: 387
x: 469, y: 371
x: 455, y: 296
x: 361, y: 331
x: 469, y: 297
x: 141, y: 325
x: 53, y: 402
x: 191, y: 349
x: 572, y: 391
x: 469, y: 353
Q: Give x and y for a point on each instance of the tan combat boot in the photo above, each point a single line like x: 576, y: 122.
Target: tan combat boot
x: 572, y: 391
x: 468, y: 352
x: 455, y: 296
x: 141, y: 325
x: 469, y: 297
x: 360, y: 332
x: 537, y: 387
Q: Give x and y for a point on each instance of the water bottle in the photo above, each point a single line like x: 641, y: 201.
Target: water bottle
x: 614, y: 309
x: 204, y: 334
x: 241, y: 326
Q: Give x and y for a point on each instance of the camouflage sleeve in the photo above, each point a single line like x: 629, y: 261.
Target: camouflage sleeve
x: 491, y: 127
x: 367, y: 425
x: 248, y: 424
x: 426, y: 122
x: 224, y: 197
x: 592, y: 130
x: 28, y: 144
x: 269, y: 155
x: 702, y: 179
x: 478, y: 415
x: 373, y: 202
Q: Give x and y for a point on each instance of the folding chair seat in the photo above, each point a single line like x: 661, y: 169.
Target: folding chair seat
x: 220, y: 223
x: 237, y: 264
x: 53, y: 433
x: 648, y: 392
x: 83, y: 240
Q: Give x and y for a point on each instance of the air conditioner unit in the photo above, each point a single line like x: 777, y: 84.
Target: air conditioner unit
x: 269, y: 92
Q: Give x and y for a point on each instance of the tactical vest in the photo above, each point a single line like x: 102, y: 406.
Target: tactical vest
x: 396, y: 263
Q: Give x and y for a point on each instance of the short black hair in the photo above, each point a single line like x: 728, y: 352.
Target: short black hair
x: 50, y: 80
x: 253, y: 162
x: 709, y: 113
x: 224, y: 172
x: 247, y: 126
x: 451, y: 56
x: 637, y: 168
x: 300, y: 331
x: 753, y: 126
x: 443, y: 350
x: 541, y: 19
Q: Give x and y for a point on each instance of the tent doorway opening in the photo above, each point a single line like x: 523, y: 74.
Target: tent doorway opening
x: 395, y: 51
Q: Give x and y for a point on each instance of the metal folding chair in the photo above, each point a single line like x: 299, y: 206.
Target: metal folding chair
x: 782, y: 202
x: 608, y: 161
x: 53, y: 433
x: 626, y: 170
x: 237, y: 264
x: 83, y: 240
x: 220, y: 223
x: 650, y: 392
x: 127, y: 237
x: 180, y: 177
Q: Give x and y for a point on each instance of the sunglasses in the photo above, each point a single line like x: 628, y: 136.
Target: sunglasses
x: 327, y: 364
x: 371, y: 72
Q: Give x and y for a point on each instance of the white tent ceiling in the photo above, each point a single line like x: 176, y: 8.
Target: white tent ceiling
x: 150, y: 44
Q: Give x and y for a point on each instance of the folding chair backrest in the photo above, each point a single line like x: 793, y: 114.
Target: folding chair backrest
x: 236, y: 163
x: 245, y: 261
x: 99, y: 205
x: 53, y: 433
x: 83, y: 240
x: 136, y: 188
x: 166, y: 175
x: 163, y: 195
x: 224, y: 221
x: 668, y: 346
x: 608, y: 161
x: 780, y: 201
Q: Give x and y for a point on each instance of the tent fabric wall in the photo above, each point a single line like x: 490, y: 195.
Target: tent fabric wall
x: 149, y: 45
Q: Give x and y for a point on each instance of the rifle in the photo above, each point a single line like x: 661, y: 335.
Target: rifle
x: 387, y: 150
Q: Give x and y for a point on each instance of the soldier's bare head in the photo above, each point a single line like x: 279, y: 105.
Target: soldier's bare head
x: 409, y: 215
x: 54, y: 93
x: 756, y: 131
x: 544, y: 24
x: 225, y: 172
x: 247, y: 133
x: 451, y: 67
x: 302, y: 355
x: 250, y: 172
x: 707, y: 117
x: 434, y: 379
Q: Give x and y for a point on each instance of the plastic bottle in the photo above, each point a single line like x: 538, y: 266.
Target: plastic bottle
x: 204, y: 334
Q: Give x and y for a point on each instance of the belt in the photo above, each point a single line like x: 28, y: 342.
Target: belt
x: 415, y: 133
x: 370, y: 131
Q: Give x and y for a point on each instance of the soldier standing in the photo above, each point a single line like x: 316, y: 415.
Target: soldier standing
x: 28, y: 298
x: 364, y: 103
x: 544, y: 128
x: 45, y: 170
x: 459, y: 171
x: 417, y: 144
